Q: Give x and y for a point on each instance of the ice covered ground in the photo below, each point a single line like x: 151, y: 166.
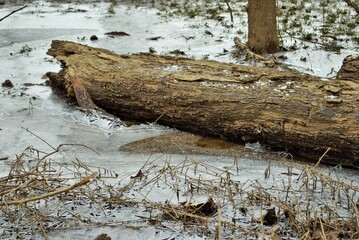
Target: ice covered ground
x: 26, y: 36
x: 30, y: 104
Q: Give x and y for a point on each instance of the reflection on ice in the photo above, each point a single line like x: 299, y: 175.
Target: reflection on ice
x: 95, y: 118
x: 50, y: 117
x: 23, y: 35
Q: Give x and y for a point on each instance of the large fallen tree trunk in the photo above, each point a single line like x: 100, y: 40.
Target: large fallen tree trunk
x: 303, y: 114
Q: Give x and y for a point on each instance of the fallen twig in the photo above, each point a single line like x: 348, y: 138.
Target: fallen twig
x: 352, y: 4
x: 48, y: 144
x: 321, y: 157
x: 13, y: 12
x: 230, y: 10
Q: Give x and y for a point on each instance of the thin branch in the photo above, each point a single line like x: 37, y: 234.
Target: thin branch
x: 39, y: 138
x: 13, y: 12
x: 320, y: 159
x: 62, y: 145
x: 59, y: 146
x: 352, y: 4
x: 230, y: 10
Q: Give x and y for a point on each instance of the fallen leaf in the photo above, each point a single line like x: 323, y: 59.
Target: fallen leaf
x: 270, y: 218
x: 103, y: 236
x: 138, y: 175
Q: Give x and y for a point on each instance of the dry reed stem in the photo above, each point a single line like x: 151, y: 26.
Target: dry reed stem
x: 64, y: 190
x: 34, y: 176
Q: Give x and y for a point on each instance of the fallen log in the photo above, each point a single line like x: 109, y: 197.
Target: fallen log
x: 349, y: 69
x: 286, y: 110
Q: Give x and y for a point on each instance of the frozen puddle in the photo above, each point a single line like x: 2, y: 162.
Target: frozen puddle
x: 148, y: 205
x: 24, y: 35
x: 154, y: 197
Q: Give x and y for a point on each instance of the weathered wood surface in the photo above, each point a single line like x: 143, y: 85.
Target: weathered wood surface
x: 349, y: 69
x: 303, y: 114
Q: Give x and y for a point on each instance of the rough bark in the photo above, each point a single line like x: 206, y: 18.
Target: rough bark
x: 349, y: 69
x: 303, y: 114
x: 262, y: 26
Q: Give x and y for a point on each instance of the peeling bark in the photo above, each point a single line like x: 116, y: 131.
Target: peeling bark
x: 285, y: 110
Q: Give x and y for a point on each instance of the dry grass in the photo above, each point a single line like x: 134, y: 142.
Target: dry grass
x: 41, y: 193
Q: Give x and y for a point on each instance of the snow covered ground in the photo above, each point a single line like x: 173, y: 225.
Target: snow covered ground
x: 30, y: 104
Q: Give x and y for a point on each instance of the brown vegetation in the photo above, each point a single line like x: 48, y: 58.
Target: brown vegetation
x: 41, y: 193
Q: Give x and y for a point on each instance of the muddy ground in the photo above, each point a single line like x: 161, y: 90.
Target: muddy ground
x: 245, y: 181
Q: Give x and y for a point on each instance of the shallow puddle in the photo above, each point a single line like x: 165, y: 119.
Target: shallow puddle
x: 33, y: 115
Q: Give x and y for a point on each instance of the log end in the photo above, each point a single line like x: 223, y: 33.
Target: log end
x: 55, y: 80
x: 349, y: 69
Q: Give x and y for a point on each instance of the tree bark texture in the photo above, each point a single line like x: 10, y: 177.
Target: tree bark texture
x: 349, y: 69
x: 262, y: 26
x: 303, y: 114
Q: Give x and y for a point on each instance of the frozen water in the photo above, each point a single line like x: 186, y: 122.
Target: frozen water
x: 26, y: 36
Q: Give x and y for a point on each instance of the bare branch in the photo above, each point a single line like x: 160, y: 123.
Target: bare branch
x: 352, y: 4
x: 39, y: 138
x: 229, y: 9
x: 13, y: 12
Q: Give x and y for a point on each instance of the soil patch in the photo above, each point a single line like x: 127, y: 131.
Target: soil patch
x: 192, y: 144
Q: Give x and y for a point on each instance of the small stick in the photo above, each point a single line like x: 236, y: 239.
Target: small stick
x: 353, y: 5
x: 219, y: 224
x: 13, y: 12
x: 320, y: 159
x: 159, y: 118
x: 230, y: 10
x: 48, y: 144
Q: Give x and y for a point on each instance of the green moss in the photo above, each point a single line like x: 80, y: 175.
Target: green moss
x: 333, y: 47
x: 331, y: 18
x: 308, y: 36
x: 111, y: 9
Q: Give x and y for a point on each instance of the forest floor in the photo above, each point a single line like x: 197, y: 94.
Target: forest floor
x: 147, y: 181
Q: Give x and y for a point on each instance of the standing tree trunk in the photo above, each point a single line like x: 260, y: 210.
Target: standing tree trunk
x: 262, y: 26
